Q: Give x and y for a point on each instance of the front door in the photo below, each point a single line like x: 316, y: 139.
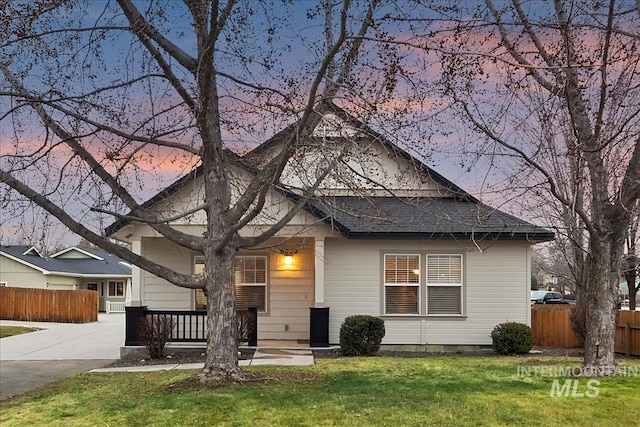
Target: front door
x: 100, y: 289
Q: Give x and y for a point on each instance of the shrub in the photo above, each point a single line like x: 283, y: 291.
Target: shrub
x: 360, y: 335
x: 512, y: 338
x: 578, y: 318
x: 155, y: 333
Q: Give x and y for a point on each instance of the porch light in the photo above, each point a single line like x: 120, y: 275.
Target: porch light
x: 288, y: 256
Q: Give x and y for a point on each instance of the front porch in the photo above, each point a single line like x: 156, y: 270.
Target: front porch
x: 190, y: 327
x: 285, y: 281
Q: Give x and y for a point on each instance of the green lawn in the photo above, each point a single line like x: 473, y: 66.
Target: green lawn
x: 436, y: 391
x: 7, y: 331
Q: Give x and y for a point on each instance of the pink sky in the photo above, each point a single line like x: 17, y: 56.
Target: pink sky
x: 161, y: 166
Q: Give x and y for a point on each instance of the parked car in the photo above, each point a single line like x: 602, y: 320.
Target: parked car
x: 547, y: 297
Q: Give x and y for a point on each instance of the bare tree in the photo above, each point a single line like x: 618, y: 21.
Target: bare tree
x: 551, y: 92
x: 120, y: 92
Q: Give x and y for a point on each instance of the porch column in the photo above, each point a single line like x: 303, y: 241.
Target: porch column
x: 127, y: 293
x: 135, y: 300
x: 319, y: 272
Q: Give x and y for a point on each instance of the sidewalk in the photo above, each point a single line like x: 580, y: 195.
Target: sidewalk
x: 264, y: 356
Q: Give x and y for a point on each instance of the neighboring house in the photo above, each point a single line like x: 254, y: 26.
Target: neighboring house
x: 552, y: 278
x: 547, y: 279
x: 70, y: 269
x: 440, y: 267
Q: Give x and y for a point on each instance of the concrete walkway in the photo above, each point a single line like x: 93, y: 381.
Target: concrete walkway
x: 262, y: 356
x: 58, y: 350
x: 99, y: 340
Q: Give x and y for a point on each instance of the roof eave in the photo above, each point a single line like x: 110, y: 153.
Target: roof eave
x: 532, y: 238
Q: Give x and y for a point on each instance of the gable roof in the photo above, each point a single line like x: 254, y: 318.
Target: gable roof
x: 32, y: 250
x: 101, y: 264
x: 354, y: 126
x: 422, y: 218
x: 461, y: 216
x: 82, y: 252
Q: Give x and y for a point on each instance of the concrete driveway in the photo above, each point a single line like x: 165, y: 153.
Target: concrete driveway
x: 35, y: 359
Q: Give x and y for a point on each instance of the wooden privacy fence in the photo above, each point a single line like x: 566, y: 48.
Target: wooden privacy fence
x: 551, y: 327
x: 628, y: 332
x: 44, y: 305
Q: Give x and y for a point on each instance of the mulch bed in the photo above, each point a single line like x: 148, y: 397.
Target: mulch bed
x: 182, y: 356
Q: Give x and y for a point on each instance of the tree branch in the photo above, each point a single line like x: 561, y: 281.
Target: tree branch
x: 138, y: 22
x: 181, y: 280
x: 174, y: 235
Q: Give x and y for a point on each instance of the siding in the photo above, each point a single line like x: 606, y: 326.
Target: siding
x: 374, y: 166
x: 19, y: 275
x: 290, y: 289
x: 158, y: 293
x: 352, y: 281
x: 62, y: 282
x: 496, y: 290
x: 291, y: 293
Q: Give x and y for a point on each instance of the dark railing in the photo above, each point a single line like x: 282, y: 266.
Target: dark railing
x: 189, y: 326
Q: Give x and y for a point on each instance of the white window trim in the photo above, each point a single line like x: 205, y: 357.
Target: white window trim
x: 200, y: 258
x: 115, y: 282
x: 460, y: 285
x: 423, y: 286
x: 266, y: 278
x: 395, y: 284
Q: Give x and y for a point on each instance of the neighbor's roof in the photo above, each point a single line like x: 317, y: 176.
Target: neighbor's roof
x: 101, y: 264
x: 422, y: 218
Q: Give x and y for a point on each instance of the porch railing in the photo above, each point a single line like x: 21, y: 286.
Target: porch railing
x: 188, y: 326
x: 115, y: 307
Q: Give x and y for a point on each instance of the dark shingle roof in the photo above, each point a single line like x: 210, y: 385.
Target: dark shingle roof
x: 109, y: 265
x: 422, y: 218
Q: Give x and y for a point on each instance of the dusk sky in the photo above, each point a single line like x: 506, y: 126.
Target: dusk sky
x: 285, y: 52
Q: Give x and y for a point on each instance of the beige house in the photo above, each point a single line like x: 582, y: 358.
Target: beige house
x: 70, y: 269
x: 440, y: 267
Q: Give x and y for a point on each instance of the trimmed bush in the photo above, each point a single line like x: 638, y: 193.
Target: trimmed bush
x: 360, y: 335
x: 512, y: 338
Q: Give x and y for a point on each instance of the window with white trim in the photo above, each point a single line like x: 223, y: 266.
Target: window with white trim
x: 401, y: 284
x: 116, y: 288
x: 250, y: 273
x: 444, y: 284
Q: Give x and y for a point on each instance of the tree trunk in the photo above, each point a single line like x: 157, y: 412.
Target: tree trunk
x: 221, y: 361
x: 600, y: 299
x: 633, y: 292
